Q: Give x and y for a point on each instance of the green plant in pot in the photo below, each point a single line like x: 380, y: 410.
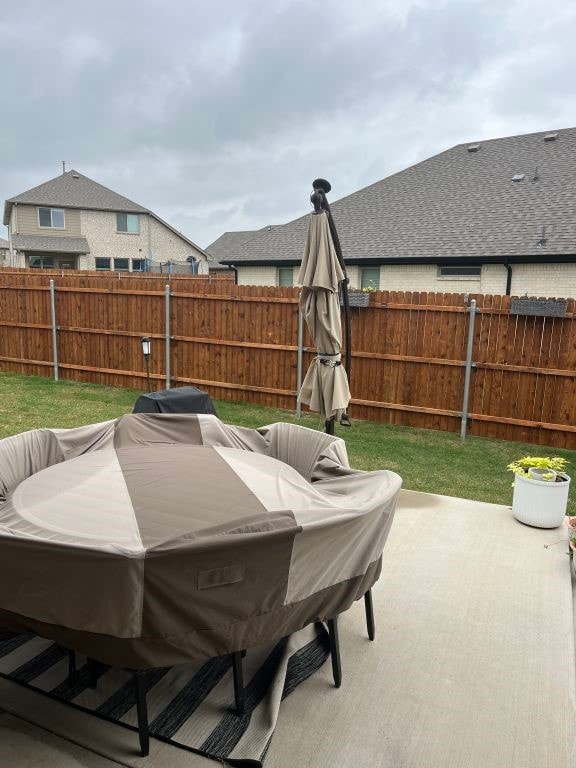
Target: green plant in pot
x: 540, y: 490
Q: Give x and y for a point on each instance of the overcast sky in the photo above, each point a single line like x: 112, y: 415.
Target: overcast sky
x: 218, y: 114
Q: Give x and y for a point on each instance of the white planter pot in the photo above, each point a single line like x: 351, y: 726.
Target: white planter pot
x: 540, y: 503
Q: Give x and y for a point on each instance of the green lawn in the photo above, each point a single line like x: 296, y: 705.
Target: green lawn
x: 436, y: 462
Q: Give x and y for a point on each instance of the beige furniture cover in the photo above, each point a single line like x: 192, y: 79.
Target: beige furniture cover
x: 151, y: 540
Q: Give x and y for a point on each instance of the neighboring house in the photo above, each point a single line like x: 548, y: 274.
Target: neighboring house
x: 227, y: 245
x: 4, y: 248
x: 496, y: 216
x: 72, y: 222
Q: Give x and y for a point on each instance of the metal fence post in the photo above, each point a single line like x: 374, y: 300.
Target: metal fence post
x: 468, y: 369
x: 299, y: 362
x: 54, y: 328
x: 167, y: 330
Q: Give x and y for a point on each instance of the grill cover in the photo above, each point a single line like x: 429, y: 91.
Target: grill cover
x: 178, y: 400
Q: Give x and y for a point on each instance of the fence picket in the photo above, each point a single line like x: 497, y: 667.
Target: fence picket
x: 239, y: 342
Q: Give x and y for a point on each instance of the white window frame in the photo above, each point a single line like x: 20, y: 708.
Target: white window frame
x: 127, y: 231
x: 49, y: 208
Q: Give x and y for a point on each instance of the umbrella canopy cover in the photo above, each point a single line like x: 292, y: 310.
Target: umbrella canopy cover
x: 325, y: 387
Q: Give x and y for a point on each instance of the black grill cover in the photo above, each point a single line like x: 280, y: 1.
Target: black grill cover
x: 179, y: 400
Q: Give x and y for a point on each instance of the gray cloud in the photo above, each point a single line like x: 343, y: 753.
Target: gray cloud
x: 217, y: 116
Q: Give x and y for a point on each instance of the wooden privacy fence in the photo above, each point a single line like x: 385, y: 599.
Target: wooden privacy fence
x: 240, y: 343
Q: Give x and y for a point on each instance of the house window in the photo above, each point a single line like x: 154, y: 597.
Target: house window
x: 128, y: 222
x: 122, y: 265
x: 102, y: 264
x: 286, y: 277
x: 41, y: 262
x: 370, y: 278
x: 138, y: 265
x: 459, y: 271
x: 52, y: 218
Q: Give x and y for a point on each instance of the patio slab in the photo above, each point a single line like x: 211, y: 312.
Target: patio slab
x: 473, y: 663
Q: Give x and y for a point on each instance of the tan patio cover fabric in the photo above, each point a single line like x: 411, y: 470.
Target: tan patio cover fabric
x: 325, y: 387
x: 154, y: 539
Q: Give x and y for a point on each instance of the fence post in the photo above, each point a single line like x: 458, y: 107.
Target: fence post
x: 167, y: 330
x: 299, y: 362
x: 54, y: 329
x: 468, y: 369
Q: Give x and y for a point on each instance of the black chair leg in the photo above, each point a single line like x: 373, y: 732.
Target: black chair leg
x: 72, y: 671
x: 142, y: 712
x: 92, y: 673
x: 370, y: 615
x: 335, y: 651
x: 239, y: 696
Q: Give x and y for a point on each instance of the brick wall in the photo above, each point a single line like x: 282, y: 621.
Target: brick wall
x: 99, y: 228
x: 257, y: 276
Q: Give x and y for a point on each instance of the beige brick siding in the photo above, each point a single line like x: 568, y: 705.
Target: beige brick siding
x: 27, y: 222
x: 551, y: 280
x: 99, y: 228
x: 167, y: 246
x: 257, y: 276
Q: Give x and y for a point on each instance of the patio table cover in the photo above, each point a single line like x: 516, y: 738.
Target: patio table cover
x: 151, y: 540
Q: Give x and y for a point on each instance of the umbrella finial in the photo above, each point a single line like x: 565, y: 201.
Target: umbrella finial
x: 321, y: 188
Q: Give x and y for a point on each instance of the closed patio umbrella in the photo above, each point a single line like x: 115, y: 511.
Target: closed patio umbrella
x: 325, y: 388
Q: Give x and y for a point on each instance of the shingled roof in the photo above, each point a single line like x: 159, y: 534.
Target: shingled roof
x: 50, y: 243
x: 459, y: 205
x: 74, y: 190
x: 228, y: 244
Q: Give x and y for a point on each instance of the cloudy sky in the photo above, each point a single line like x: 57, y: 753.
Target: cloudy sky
x: 217, y: 115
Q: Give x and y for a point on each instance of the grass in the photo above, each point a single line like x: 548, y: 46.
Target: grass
x: 427, y: 460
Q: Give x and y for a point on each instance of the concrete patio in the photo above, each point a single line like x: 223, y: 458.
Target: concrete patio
x: 473, y: 664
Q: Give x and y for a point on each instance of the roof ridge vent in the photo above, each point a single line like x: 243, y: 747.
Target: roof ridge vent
x: 518, y: 177
x: 551, y: 136
x: 473, y: 147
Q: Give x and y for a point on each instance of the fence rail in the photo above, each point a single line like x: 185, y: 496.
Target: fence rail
x: 241, y: 343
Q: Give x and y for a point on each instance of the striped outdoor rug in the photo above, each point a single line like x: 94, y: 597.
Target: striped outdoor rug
x: 190, y: 706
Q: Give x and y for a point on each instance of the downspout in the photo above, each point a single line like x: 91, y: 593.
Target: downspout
x: 235, y: 273
x: 508, y: 278
x: 149, y: 259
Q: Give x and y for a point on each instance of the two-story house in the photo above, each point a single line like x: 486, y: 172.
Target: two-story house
x: 72, y: 222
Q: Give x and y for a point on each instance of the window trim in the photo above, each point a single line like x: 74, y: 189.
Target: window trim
x: 461, y: 276
x: 127, y: 231
x: 122, y: 258
x: 103, y: 269
x: 41, y: 257
x: 139, y: 258
x: 286, y: 269
x: 50, y: 208
x: 374, y: 287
